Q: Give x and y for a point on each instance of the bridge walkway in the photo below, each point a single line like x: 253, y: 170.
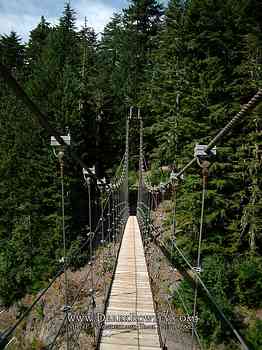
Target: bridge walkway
x: 130, y: 299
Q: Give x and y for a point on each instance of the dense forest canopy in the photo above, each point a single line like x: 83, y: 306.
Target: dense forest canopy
x: 189, y: 67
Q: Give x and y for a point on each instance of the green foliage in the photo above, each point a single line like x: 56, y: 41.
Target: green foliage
x: 190, y: 69
x: 12, y: 51
x: 207, y: 64
x: 184, y: 303
x: 249, y: 281
x: 254, y: 335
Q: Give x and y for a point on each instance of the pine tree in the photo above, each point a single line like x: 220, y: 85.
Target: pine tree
x: 37, y: 42
x: 141, y: 21
x: 12, y: 51
x: 206, y: 67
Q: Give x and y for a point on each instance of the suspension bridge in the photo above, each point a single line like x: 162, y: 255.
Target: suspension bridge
x: 121, y: 313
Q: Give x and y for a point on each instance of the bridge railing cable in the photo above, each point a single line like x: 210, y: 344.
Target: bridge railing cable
x: 76, y: 325
x: 117, y: 183
x: 117, y: 215
x: 252, y: 104
x: 99, y: 285
x: 146, y: 192
x: 5, y: 336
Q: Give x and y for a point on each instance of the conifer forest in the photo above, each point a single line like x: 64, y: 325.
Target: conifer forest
x: 189, y: 66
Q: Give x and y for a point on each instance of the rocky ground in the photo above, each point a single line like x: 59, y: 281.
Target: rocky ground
x: 39, y: 330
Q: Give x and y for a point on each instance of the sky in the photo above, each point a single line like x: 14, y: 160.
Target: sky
x: 23, y: 15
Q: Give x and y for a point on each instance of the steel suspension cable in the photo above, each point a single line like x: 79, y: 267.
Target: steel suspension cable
x: 247, y: 108
x: 103, y: 242
x: 20, y: 93
x: 12, y: 82
x: 41, y: 117
x: 256, y: 99
x: 100, y: 277
x: 91, y: 258
x: 252, y: 104
x: 7, y: 333
x: 204, y: 190
x: 64, y: 248
x: 225, y: 319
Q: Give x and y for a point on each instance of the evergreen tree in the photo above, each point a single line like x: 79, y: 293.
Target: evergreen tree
x: 190, y: 71
x: 141, y: 21
x: 199, y: 82
x: 12, y: 51
x: 37, y: 42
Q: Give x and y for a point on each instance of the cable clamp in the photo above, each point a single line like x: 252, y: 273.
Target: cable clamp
x: 197, y: 269
x: 202, y: 159
x: 174, y: 177
x: 200, y: 151
x: 66, y: 308
x: 93, y: 302
x: 92, y: 259
x: 90, y: 234
x: 162, y: 186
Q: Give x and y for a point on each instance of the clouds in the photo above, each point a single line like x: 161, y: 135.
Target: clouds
x: 23, y: 15
x: 48, y: 8
x: 20, y: 23
x: 98, y: 12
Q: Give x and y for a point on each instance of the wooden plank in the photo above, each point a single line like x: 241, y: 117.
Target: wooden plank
x: 126, y: 347
x: 131, y: 295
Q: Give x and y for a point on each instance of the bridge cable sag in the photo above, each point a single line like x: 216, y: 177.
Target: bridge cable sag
x: 7, y: 333
x: 154, y: 228
x: 146, y: 193
x: 252, y: 104
x: 115, y: 185
x: 143, y: 182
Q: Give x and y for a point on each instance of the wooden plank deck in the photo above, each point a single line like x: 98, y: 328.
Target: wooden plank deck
x: 131, y: 299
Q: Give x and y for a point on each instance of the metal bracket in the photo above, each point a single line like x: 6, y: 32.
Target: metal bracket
x: 101, y: 183
x: 66, y: 308
x: 197, y: 269
x: 200, y: 151
x: 174, y: 176
x: 162, y: 187
x: 55, y: 143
